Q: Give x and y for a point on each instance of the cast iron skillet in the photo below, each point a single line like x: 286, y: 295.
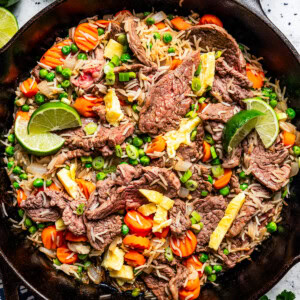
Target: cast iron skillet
x: 242, y: 18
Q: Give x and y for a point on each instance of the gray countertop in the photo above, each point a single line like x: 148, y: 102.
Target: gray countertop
x: 285, y: 14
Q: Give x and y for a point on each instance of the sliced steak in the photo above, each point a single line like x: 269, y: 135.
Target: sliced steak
x: 135, y: 43
x: 178, y: 281
x: 157, y: 286
x: 218, y: 112
x: 233, y: 159
x: 100, y: 111
x: 215, y: 129
x: 212, y: 210
x: 115, y: 30
x: 234, y: 184
x: 230, y: 85
x: 167, y: 102
x: 101, y: 233
x: 216, y: 38
x: 93, y: 74
x: 180, y: 220
x: 200, y: 175
x: 267, y: 165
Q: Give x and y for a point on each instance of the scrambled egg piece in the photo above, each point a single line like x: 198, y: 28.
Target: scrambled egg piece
x: 207, y: 73
x: 113, y: 110
x: 113, y: 48
x: 152, y: 196
x: 166, y: 203
x: 125, y: 273
x: 230, y: 214
x: 175, y: 138
x: 65, y: 177
x: 113, y: 260
x: 147, y: 209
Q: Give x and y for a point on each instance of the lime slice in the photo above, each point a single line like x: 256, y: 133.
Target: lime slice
x: 8, y: 26
x: 267, y: 126
x: 238, y: 127
x: 53, y: 116
x: 38, y: 144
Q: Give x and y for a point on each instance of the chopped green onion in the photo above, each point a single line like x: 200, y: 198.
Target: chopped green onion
x: 193, y: 134
x: 196, y: 84
x: 132, y: 75
x: 210, y: 179
x: 86, y: 159
x: 196, y: 216
x: 119, y: 151
x: 191, y: 114
x: 191, y: 185
x: 132, y: 152
x: 115, y: 60
x: 110, y: 78
x: 80, y: 209
x: 124, y: 76
x: 90, y: 128
x: 186, y: 176
x: 98, y: 163
x: 213, y: 152
x: 208, y: 138
x: 217, y: 171
x: 197, y: 73
x: 169, y: 254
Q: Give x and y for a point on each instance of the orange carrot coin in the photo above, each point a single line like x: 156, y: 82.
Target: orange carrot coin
x: 86, y: 36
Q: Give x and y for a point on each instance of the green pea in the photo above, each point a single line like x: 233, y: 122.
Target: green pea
x: 150, y: 21
x: 58, y: 69
x: 56, y: 262
x: 125, y: 57
x: 87, y: 264
x: 21, y: 213
x: 62, y: 95
x: 203, y: 257
x: 273, y: 103
x: 10, y: 150
x: 48, y: 182
x: 134, y: 108
x: 122, y: 39
x: 74, y: 48
x: 273, y: 96
x: 66, y: 50
x: 39, y: 98
x: 10, y: 164
x: 125, y: 48
x: 242, y: 175
x: 204, y: 193
x: 79, y: 269
x: 291, y: 113
x: 28, y: 222
x: 16, y: 185
x: 226, y: 251
x: 243, y: 186
x: 98, y: 163
x: 66, y: 73
x: 100, y: 31
x: 23, y: 176
x: 125, y: 229
x: 156, y: 36
x: 82, y: 56
x: 25, y: 107
x: 149, y: 46
x: 100, y: 176
x: 133, y: 162
x: 242, y: 48
x: 145, y: 160
x: 208, y: 270
x: 82, y: 256
x: 210, y: 179
x: 39, y: 182
x: 43, y: 73
x: 137, y: 142
x: 65, y: 84
x: 212, y: 277
x: 11, y: 138
x: 50, y: 76
x: 296, y: 150
x: 88, y: 165
x: 217, y: 268
x: 272, y: 227
x: 167, y: 38
x: 216, y: 161
x: 224, y: 191
x: 141, y: 153
x: 170, y: 16
x: 129, y: 140
x: 41, y: 226
x: 32, y: 229
x: 147, y: 13
x: 135, y: 292
x: 147, y: 139
x: 171, y: 50
x: 17, y: 170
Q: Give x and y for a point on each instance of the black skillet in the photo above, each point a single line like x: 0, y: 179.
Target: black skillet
x: 245, y: 20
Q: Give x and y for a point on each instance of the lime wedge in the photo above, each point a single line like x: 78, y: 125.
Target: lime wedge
x: 8, y: 26
x: 238, y: 127
x: 53, y: 116
x: 267, y: 126
x: 38, y: 144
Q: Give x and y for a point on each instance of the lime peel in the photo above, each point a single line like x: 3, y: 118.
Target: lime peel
x: 8, y: 26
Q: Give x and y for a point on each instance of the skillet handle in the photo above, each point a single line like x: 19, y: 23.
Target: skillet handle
x: 11, y: 282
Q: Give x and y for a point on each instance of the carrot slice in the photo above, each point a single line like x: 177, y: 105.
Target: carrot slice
x: 191, y: 295
x: 54, y: 187
x: 103, y: 22
x: 134, y: 259
x: 24, y: 115
x: 184, y: 247
x: 136, y: 242
x: 257, y: 78
x: 210, y: 19
x: 288, y: 138
x: 75, y: 238
x: 54, y: 57
x: 21, y: 196
x: 137, y: 223
x: 29, y: 87
x: 175, y: 63
x: 85, y: 107
x: 201, y: 107
x: 224, y: 180
x: 52, y: 238
x: 193, y: 282
x: 66, y: 256
x: 206, y: 151
x: 162, y: 234
x: 86, y: 36
x: 160, y: 25
x: 195, y: 263
x: 87, y: 187
x: 157, y: 145
x: 180, y: 24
